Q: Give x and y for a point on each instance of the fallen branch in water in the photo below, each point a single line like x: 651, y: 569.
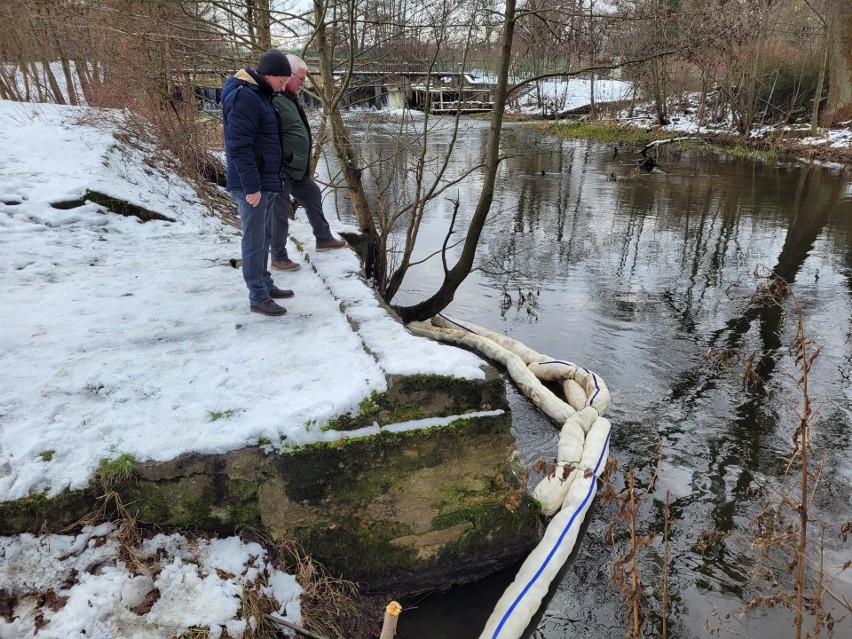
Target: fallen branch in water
x: 656, y: 143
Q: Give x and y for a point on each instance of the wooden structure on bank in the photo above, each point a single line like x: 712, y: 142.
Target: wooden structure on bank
x: 439, y: 91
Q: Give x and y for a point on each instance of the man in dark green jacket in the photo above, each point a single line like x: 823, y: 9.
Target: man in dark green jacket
x: 296, y: 142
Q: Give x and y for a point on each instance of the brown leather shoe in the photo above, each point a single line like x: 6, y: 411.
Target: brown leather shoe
x: 268, y: 308
x: 331, y: 244
x: 280, y: 293
x: 286, y: 265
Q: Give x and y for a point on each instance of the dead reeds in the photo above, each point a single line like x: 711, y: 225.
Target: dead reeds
x: 629, y: 542
x: 787, y: 539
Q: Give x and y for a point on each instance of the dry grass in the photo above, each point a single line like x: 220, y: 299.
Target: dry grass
x: 331, y: 606
x: 254, y: 607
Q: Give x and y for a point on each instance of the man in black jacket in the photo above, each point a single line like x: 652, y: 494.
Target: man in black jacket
x: 297, y: 144
x: 253, y: 157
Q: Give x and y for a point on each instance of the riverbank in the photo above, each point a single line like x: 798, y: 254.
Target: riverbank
x: 830, y: 147
x: 131, y: 357
x: 564, y: 106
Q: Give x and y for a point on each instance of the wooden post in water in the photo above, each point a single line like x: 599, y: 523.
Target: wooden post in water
x: 391, y: 617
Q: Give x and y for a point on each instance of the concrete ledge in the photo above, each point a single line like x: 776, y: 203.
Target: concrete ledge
x: 402, y: 509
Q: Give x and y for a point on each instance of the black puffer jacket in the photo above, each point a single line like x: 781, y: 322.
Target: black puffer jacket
x: 252, y: 134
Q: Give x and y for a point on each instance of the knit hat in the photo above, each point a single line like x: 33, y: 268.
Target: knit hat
x: 273, y: 62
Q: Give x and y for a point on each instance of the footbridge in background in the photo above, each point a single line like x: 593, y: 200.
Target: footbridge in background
x: 447, y: 89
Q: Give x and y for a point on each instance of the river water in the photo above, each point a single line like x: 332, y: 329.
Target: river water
x: 638, y: 276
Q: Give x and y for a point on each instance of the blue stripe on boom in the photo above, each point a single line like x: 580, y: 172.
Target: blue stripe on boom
x: 556, y: 545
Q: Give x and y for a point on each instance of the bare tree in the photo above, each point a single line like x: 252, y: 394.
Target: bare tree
x: 455, y: 275
x: 839, y: 106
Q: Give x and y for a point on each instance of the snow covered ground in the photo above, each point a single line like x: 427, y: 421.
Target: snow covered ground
x: 557, y: 96
x: 129, y: 338
x: 77, y: 586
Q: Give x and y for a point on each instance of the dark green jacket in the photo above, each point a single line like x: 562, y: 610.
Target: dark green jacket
x: 296, y: 138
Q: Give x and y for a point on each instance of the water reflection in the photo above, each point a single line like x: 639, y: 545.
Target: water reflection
x: 636, y: 276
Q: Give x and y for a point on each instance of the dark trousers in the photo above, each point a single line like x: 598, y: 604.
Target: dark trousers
x: 307, y: 192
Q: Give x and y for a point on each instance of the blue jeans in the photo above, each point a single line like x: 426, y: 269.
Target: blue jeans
x: 254, y: 220
x: 309, y: 196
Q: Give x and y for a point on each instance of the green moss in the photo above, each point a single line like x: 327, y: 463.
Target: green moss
x: 406, y: 414
x: 356, y: 470
x: 245, y: 514
x: 38, y: 512
x: 47, y: 455
x: 369, y: 554
x: 609, y: 132
x: 153, y: 504
x: 368, y: 412
x: 212, y: 501
x: 357, y: 550
x: 312, y: 472
x: 239, y: 489
x: 413, y: 383
x: 748, y: 153
x: 491, y: 524
x: 415, y: 397
x: 445, y: 395
x: 453, y: 496
x: 197, y: 513
x: 30, y: 505
x: 345, y: 422
x: 449, y: 520
x: 369, y: 405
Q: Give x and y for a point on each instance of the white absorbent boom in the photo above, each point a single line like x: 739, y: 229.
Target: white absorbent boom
x: 565, y: 494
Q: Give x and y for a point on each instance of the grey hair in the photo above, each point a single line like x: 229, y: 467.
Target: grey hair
x: 296, y: 63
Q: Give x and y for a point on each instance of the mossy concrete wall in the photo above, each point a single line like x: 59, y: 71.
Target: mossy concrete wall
x: 398, y: 511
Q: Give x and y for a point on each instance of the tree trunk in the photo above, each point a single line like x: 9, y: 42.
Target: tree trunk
x: 839, y: 104
x: 9, y: 88
x: 85, y: 76
x: 69, y: 81
x: 702, y: 101
x: 819, y: 88
x: 59, y: 38
x: 50, y: 80
x: 263, y: 24
x: 658, y: 70
x: 342, y: 145
x: 593, y: 110
x: 659, y: 92
x: 258, y: 23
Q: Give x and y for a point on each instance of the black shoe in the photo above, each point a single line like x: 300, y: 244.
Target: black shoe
x: 280, y: 293
x: 268, y: 308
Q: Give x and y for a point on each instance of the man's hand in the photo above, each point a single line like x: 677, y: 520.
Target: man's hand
x: 253, y: 198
